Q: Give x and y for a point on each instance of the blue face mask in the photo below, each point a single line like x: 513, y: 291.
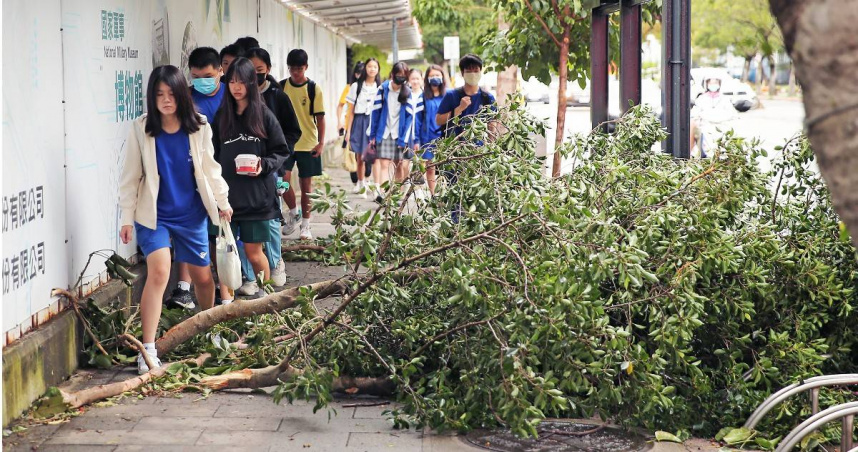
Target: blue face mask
x: 436, y: 81
x: 205, y: 85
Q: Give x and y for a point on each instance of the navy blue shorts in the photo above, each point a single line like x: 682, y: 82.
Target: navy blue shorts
x: 190, y: 240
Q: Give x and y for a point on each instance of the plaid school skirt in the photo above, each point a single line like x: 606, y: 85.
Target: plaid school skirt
x: 388, y: 149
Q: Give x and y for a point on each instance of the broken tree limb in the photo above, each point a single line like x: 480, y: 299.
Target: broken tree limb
x: 279, y: 301
x: 268, y: 376
x: 306, y: 247
x: 272, y: 376
x: 58, y: 401
x: 131, y: 340
x: 73, y: 301
x: 275, y: 302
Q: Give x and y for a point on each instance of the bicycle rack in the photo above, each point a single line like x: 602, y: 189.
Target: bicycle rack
x: 844, y: 411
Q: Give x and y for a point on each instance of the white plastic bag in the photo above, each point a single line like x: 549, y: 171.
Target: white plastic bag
x: 228, y: 262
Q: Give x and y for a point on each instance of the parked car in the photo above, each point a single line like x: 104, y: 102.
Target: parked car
x: 741, y: 94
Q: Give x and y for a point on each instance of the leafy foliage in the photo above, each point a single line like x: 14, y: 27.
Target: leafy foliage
x: 661, y: 293
x: 673, y: 295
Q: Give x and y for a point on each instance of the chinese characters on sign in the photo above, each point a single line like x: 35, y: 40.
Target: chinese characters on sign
x: 23, y: 208
x: 112, y: 25
x: 23, y: 266
x: 129, y: 95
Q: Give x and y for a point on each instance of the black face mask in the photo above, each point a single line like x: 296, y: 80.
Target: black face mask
x: 260, y: 78
x: 399, y: 79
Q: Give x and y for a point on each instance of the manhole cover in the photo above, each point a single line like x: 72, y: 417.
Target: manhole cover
x: 561, y: 436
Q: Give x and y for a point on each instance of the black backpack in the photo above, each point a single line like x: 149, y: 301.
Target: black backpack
x: 449, y: 129
x: 311, y: 93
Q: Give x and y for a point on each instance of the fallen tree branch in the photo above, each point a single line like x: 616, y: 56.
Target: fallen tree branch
x: 451, y: 331
x: 306, y: 247
x: 275, y: 302
x: 362, y: 405
x: 272, y: 376
x: 59, y: 401
x: 73, y: 301
x: 131, y: 340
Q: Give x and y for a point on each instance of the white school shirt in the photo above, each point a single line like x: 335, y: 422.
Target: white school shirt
x: 391, y: 130
x: 363, y: 105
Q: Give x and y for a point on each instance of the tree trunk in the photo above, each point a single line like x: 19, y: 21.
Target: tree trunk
x: 508, y: 78
x: 561, y: 101
x: 759, y: 78
x: 791, y: 89
x: 820, y: 38
x: 773, y: 76
x: 746, y: 69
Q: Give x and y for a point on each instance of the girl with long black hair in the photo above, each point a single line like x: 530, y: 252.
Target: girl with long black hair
x: 244, y: 125
x: 390, y: 124
x: 360, y: 99
x: 170, y: 185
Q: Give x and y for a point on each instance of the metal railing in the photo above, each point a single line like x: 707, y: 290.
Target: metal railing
x: 845, y: 411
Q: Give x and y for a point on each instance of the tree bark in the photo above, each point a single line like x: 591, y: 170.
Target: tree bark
x: 773, y: 76
x: 272, y: 376
x: 205, y: 320
x: 759, y: 78
x: 59, y: 401
x: 561, y: 101
x: 791, y: 89
x: 820, y: 38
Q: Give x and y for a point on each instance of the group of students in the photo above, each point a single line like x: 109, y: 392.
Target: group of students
x: 387, y: 124
x: 180, y: 179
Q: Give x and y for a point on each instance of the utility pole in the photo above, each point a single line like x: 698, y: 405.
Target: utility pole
x: 395, y: 44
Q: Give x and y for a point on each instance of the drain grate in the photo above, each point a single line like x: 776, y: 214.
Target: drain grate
x: 560, y: 436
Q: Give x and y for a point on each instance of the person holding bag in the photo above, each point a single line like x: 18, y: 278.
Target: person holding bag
x: 250, y: 146
x: 170, y: 185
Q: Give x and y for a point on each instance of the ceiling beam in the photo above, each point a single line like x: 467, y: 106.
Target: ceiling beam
x: 356, y: 14
x: 348, y: 5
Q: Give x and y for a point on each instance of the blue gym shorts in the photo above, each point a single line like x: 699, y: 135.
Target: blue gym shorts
x: 190, y: 240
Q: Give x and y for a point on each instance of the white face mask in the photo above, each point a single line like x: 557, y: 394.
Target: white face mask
x: 473, y: 78
x: 712, y: 87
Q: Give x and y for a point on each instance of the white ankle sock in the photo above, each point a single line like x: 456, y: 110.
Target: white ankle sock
x: 294, y: 211
x: 150, y: 348
x: 184, y: 285
x: 305, y: 222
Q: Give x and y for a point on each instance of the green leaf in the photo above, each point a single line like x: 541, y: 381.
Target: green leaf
x: 737, y: 435
x: 666, y: 436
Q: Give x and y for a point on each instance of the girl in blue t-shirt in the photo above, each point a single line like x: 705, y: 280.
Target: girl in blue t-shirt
x: 435, y: 87
x: 170, y: 185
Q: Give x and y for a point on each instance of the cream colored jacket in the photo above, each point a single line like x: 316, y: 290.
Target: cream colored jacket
x: 138, y: 187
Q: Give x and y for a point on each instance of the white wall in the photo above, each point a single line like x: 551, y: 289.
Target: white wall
x: 99, y: 66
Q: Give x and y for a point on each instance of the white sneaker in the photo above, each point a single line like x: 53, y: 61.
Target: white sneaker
x: 142, y: 368
x: 249, y: 288
x: 365, y: 186
x: 291, y: 222
x: 278, y: 275
x: 305, y: 233
x: 356, y: 188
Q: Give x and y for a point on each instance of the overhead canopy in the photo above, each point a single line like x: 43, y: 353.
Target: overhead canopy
x: 365, y: 21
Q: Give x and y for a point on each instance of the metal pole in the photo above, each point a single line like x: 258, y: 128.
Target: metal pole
x: 598, y: 69
x: 630, y: 54
x: 677, y: 58
x: 846, y: 433
x: 395, y: 44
